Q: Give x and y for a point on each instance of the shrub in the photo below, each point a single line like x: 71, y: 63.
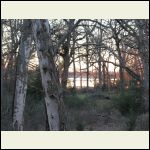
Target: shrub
x: 80, y: 126
x: 131, y: 121
x: 80, y: 101
x: 128, y: 102
x: 72, y: 90
x: 142, y: 122
x: 75, y: 101
x: 35, y: 85
x: 6, y: 111
x: 34, y: 114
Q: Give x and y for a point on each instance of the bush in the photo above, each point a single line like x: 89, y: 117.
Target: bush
x: 131, y: 121
x: 35, y: 84
x: 72, y: 90
x: 80, y: 101
x: 34, y: 114
x: 129, y: 102
x: 6, y: 111
x: 80, y: 126
x: 75, y: 101
x: 142, y: 122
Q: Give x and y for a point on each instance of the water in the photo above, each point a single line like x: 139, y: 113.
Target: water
x: 84, y: 82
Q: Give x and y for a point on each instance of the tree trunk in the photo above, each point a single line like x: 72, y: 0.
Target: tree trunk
x: 143, y: 44
x: 2, y: 65
x: 74, y: 73
x: 87, y: 62
x: 99, y: 68
x: 114, y: 73
x: 100, y: 34
x: 67, y: 55
x: 108, y: 77
x: 21, y: 81
x: 104, y: 77
x: 50, y: 78
x: 66, y: 58
x: 80, y: 72
x: 65, y: 74
x: 74, y: 64
x: 121, y: 72
x: 145, y: 86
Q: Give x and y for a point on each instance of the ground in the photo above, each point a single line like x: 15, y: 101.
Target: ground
x: 86, y: 111
x: 95, y: 113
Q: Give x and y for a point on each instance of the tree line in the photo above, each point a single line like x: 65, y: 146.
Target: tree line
x: 60, y: 43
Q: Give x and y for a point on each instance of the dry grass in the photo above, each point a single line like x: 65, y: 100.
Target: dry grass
x: 95, y: 114
x: 142, y: 122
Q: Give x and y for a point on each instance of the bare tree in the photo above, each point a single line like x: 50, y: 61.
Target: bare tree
x: 67, y: 50
x: 49, y: 74
x: 22, y: 76
x: 115, y: 35
x: 138, y: 38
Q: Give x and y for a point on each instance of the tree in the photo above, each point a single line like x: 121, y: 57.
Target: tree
x: 67, y: 51
x: 50, y: 78
x: 22, y: 76
x: 138, y: 38
x: 115, y: 35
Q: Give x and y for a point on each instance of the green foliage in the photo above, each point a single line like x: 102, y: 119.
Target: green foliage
x: 75, y: 101
x: 80, y: 126
x: 142, y: 122
x: 80, y: 101
x: 35, y: 85
x: 6, y: 111
x: 34, y: 114
x: 73, y: 91
x: 131, y: 121
x: 128, y: 102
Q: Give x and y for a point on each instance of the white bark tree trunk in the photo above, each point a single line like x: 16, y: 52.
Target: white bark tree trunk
x: 50, y: 79
x: 21, y: 81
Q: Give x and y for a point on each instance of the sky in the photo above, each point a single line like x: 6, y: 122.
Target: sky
x: 35, y: 61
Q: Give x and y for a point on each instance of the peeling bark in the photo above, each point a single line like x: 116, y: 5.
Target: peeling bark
x: 21, y: 81
x: 50, y: 79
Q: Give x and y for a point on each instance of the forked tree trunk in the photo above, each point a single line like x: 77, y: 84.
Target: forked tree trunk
x: 50, y: 78
x: 21, y: 81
